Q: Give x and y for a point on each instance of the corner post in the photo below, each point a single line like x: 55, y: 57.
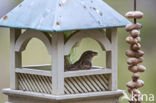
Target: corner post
x: 111, y: 58
x: 15, y: 58
x: 58, y: 63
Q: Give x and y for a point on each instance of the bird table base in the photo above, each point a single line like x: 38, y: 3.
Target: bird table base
x: 18, y: 96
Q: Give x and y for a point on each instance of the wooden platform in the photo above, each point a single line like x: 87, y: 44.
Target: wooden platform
x: 18, y: 96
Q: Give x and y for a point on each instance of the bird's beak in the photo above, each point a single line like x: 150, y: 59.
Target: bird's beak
x: 95, y: 54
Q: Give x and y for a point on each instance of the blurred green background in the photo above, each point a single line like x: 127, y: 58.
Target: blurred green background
x: 36, y: 52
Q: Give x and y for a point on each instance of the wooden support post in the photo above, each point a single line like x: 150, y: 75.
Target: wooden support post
x: 15, y: 58
x: 58, y: 64
x: 111, y: 58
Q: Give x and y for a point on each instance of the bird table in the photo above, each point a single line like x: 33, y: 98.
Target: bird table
x: 48, y: 21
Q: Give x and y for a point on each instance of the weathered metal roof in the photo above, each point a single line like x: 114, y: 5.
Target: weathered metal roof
x: 63, y: 15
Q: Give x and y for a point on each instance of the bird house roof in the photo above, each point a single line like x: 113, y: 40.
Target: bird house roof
x: 63, y: 15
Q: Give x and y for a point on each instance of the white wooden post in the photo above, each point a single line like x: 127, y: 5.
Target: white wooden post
x: 58, y: 64
x: 111, y: 58
x: 15, y: 58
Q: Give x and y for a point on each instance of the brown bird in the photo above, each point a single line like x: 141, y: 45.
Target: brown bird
x: 84, y: 63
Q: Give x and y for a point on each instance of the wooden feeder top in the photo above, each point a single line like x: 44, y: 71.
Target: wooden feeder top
x: 63, y: 15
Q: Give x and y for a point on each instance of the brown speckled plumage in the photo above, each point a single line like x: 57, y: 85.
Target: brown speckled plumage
x: 84, y: 63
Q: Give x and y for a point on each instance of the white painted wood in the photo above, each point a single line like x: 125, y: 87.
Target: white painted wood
x: 68, y: 88
x: 89, y: 84
x: 58, y: 63
x: 46, y: 84
x: 37, y: 84
x: 28, y: 81
x: 40, y: 67
x: 112, y: 58
x: 37, y: 66
x: 85, y: 84
x: 66, y: 91
x: 76, y: 85
x: 33, y: 71
x: 98, y: 35
x: 92, y: 71
x: 42, y: 85
x: 71, y: 85
x: 98, y: 83
x: 109, y: 58
x: 80, y: 84
x: 28, y: 35
x: 15, y: 58
x: 57, y: 50
x: 109, y: 65
x: 18, y: 99
x: 107, y: 94
x: 102, y: 82
x: 25, y: 84
x: 31, y: 81
x: 104, y: 78
x: 93, y: 83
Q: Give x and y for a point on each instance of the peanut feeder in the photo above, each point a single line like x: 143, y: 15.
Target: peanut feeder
x: 135, y: 55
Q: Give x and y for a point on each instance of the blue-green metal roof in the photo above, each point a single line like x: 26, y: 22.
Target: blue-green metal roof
x: 63, y: 15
